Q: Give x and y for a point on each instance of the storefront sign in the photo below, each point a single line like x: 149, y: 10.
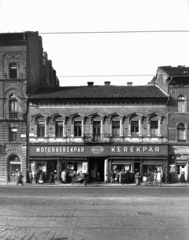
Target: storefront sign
x: 98, y: 150
x: 183, y: 157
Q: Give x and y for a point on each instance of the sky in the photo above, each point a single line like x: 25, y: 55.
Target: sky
x: 119, y: 57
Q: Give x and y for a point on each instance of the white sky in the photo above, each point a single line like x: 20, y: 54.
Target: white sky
x: 104, y: 54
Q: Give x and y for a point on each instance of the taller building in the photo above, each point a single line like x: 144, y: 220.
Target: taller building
x: 23, y: 67
x: 175, y: 81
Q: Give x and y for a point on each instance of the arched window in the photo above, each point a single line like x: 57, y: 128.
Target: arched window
x: 181, y: 104
x: 13, y: 107
x: 181, y: 132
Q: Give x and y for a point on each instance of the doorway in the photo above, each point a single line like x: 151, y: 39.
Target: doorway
x: 96, y: 165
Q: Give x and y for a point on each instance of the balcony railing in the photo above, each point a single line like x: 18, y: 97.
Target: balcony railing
x: 97, y: 138
x: 13, y: 115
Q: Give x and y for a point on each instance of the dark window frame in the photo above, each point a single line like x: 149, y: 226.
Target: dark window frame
x: 13, y: 134
x: 116, y: 128
x: 40, y: 129
x: 13, y: 70
x: 77, y: 128
x: 59, y: 129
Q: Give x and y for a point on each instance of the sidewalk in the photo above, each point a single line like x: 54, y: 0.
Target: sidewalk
x: 102, y: 184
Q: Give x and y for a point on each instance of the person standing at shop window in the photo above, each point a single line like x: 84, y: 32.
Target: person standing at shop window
x: 159, y: 177
x: 182, y: 178
x: 137, y: 179
x: 73, y: 177
x: 169, y: 177
x: 51, y: 178
x: 155, y: 177
x: 127, y: 177
x: 63, y: 176
x: 19, y: 178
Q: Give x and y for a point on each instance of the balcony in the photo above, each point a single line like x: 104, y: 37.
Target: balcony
x: 13, y: 115
x: 102, y: 138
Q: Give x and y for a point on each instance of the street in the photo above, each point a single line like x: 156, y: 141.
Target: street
x: 91, y: 213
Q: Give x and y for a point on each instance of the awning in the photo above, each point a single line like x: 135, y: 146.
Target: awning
x: 122, y: 162
x: 153, y: 162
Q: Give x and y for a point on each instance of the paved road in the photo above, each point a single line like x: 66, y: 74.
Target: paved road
x: 91, y: 213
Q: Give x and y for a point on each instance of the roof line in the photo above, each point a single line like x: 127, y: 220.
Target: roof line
x: 162, y: 90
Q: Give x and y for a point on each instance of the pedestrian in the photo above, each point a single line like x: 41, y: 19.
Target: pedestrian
x: 123, y: 176
x: 63, y: 176
x: 27, y: 177
x: 73, y: 177
x: 98, y: 177
x: 127, y: 177
x: 182, y: 178
x: 40, y: 180
x: 137, y: 178
x: 169, y: 177
x: 159, y: 177
x: 36, y: 176
x: 51, y: 178
x: 117, y: 176
x: 155, y: 177
x: 132, y: 177
x: 19, y: 178
x: 30, y: 176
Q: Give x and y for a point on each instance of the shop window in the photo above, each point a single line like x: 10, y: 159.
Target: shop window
x: 134, y: 127
x: 154, y: 128
x: 13, y: 70
x: 13, y: 107
x: 41, y: 129
x: 13, y: 134
x: 181, y: 136
x: 77, y: 129
x: 59, y: 129
x: 116, y: 128
x: 181, y: 104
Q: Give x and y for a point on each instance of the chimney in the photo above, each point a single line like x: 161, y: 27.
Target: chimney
x: 90, y: 83
x: 107, y: 83
x: 129, y: 83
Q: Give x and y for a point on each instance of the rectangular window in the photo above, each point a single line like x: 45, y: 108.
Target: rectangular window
x: 181, y: 134
x: 59, y: 129
x: 41, y: 129
x: 13, y: 70
x: 13, y: 108
x: 116, y: 128
x: 13, y: 134
x: 134, y: 127
x: 154, y: 128
x: 77, y: 129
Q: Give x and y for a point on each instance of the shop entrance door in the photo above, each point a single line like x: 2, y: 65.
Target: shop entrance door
x: 51, y: 167
x: 96, y: 165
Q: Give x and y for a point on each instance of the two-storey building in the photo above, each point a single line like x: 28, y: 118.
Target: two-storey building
x: 98, y: 128
x: 23, y: 68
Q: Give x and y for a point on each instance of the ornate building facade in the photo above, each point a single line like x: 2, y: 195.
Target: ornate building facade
x: 23, y: 67
x: 98, y: 129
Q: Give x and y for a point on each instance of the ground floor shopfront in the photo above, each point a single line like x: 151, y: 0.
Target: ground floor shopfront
x: 95, y: 158
x: 12, y: 160
x: 179, y: 162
